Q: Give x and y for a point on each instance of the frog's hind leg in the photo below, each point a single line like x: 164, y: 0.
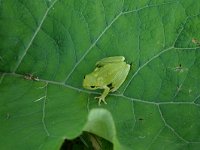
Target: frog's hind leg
x: 120, y: 78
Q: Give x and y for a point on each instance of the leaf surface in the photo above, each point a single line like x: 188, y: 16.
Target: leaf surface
x: 48, y: 46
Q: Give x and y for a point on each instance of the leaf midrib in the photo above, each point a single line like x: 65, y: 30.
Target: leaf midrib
x: 98, y: 93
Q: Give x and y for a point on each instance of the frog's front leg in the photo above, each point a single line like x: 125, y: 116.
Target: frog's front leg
x: 103, y: 95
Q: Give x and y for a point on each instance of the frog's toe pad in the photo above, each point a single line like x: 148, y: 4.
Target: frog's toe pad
x: 101, y: 99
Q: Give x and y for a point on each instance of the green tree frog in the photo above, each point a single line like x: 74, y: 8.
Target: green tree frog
x: 109, y: 75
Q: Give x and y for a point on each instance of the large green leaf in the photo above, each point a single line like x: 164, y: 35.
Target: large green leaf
x: 57, y: 42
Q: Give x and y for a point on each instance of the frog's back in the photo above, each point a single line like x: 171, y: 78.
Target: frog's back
x: 120, y: 77
x: 114, y: 74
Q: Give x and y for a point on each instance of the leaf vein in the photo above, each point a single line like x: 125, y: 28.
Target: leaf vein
x: 155, y: 137
x: 43, y: 112
x: 91, y: 46
x: 146, y: 63
x: 147, y: 6
x: 171, y: 128
x: 93, y: 92
x: 33, y: 37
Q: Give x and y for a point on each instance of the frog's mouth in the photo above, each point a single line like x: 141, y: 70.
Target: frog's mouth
x: 91, y: 87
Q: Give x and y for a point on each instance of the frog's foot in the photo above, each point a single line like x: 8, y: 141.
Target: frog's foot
x: 101, y: 98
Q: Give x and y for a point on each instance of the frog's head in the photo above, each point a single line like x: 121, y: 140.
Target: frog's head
x: 90, y: 82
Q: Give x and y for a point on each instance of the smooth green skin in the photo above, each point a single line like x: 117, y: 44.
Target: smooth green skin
x: 109, y: 75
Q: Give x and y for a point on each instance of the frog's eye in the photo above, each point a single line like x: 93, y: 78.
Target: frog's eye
x: 92, y: 86
x: 99, y: 66
x: 84, y: 77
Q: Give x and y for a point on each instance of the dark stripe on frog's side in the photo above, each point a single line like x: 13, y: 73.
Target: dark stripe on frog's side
x: 110, y: 86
